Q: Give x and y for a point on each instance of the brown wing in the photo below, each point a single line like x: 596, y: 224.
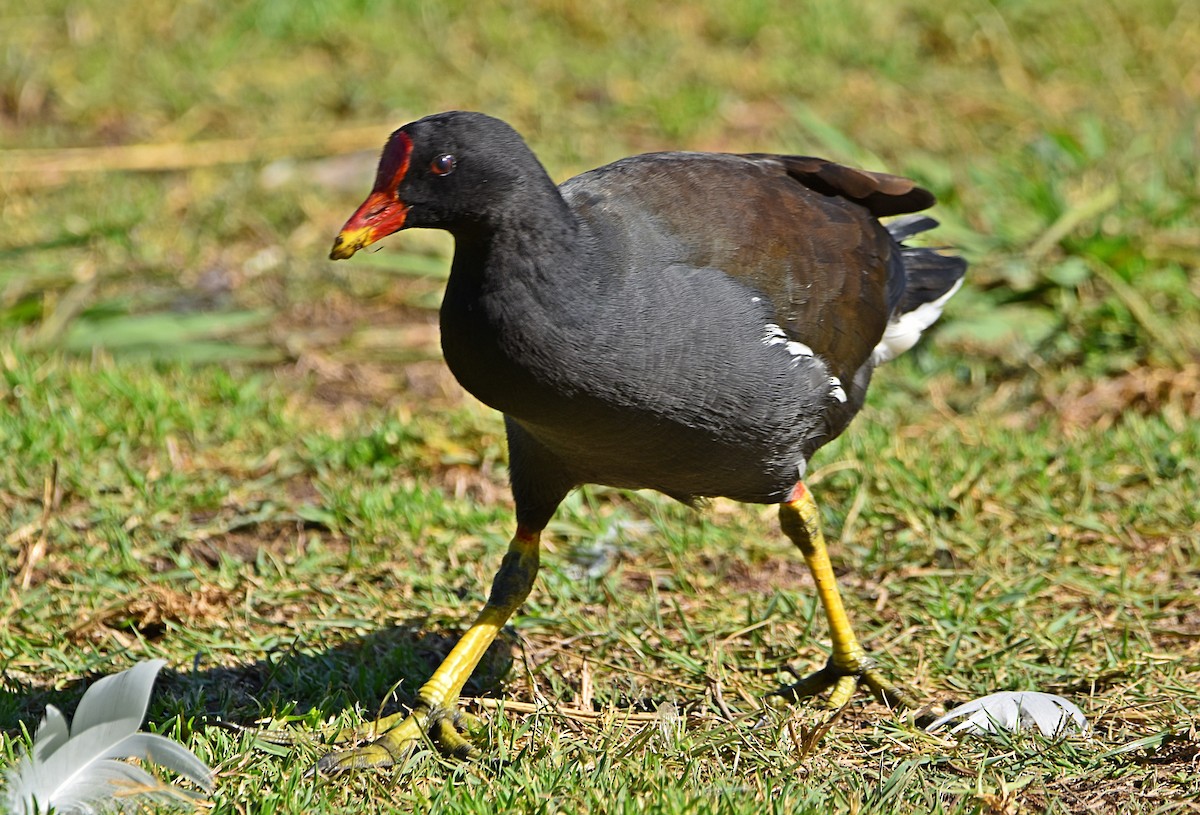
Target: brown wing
x: 801, y: 230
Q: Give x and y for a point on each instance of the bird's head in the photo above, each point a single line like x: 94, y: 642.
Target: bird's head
x: 445, y: 171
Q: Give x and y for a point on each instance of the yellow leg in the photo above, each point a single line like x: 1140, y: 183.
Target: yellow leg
x: 435, y: 715
x: 849, y: 664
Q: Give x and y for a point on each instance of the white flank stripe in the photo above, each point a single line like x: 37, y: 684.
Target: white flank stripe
x: 775, y: 335
x: 836, y: 390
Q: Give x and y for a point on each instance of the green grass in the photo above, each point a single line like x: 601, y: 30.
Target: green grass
x: 261, y: 471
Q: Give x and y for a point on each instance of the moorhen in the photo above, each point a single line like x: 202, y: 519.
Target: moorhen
x: 693, y: 323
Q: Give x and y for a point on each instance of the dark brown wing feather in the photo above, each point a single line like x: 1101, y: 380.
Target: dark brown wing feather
x: 882, y: 194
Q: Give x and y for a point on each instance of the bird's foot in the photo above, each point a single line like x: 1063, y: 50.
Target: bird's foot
x: 393, y: 738
x: 843, y: 680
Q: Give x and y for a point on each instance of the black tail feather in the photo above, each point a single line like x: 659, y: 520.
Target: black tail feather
x: 910, y: 225
x: 928, y: 274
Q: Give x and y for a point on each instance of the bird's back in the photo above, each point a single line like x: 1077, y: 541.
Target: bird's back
x: 820, y: 262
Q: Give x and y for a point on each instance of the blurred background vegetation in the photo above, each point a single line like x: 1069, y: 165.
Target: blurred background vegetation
x: 186, y: 381
x: 1060, y: 138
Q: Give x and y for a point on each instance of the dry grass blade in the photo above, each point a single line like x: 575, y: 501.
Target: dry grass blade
x: 566, y: 712
x: 35, y: 551
x: 1165, y: 335
x: 188, y: 155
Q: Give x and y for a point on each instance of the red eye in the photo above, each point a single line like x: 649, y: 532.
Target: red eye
x: 443, y: 165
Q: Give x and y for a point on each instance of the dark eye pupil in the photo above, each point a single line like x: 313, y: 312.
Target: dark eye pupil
x: 443, y: 165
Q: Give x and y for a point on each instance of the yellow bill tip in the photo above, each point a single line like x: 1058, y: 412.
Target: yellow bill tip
x: 350, y: 241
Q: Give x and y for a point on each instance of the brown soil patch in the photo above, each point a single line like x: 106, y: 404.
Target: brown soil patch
x: 1174, y: 393
x: 148, y: 611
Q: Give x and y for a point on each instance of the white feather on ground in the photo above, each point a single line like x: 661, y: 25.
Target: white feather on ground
x: 1014, y: 710
x: 75, y: 770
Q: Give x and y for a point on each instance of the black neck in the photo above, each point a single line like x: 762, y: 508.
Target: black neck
x: 516, y: 294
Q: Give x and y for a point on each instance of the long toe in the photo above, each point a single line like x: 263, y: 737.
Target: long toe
x: 422, y: 726
x: 842, y: 682
x: 893, y: 695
